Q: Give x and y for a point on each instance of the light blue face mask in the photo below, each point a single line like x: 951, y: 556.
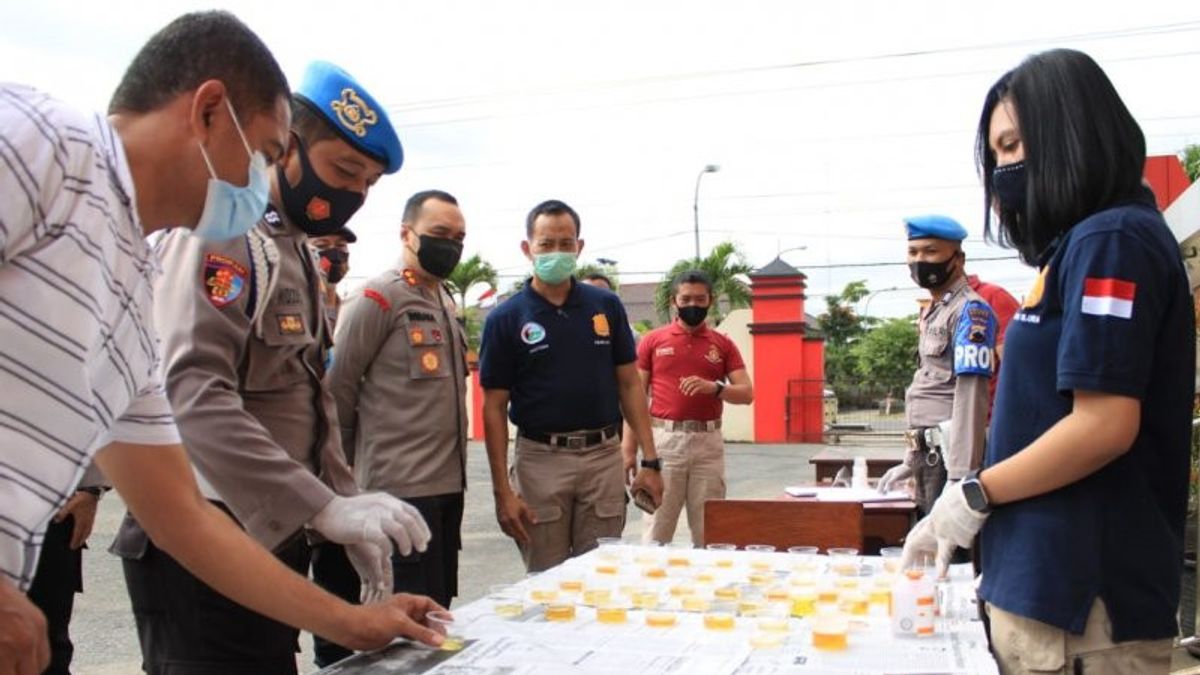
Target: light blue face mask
x: 230, y: 211
x: 554, y: 268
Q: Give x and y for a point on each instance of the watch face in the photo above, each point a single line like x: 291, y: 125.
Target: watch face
x: 973, y: 491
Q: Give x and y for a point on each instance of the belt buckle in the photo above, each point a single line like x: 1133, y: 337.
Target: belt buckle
x: 575, y: 442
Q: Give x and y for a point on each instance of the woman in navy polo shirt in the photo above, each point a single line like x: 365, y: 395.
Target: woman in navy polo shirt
x: 1084, y: 485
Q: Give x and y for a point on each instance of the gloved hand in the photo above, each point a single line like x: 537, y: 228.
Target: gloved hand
x: 367, y: 524
x: 950, y: 524
x: 893, y: 476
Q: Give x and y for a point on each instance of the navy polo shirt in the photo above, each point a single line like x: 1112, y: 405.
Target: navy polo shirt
x: 1110, y: 312
x: 559, y: 364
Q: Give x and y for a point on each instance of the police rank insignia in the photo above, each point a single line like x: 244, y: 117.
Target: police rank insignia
x: 436, y: 334
x: 430, y: 361
x: 290, y: 324
x: 416, y: 337
x: 600, y: 325
x: 224, y: 279
x: 353, y: 112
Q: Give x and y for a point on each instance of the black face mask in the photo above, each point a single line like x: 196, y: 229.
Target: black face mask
x: 315, y: 207
x: 1008, y: 185
x: 692, y: 315
x: 335, y: 263
x: 439, y: 256
x: 931, y: 274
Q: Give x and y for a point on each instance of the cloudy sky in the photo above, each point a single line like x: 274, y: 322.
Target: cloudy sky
x: 829, y: 121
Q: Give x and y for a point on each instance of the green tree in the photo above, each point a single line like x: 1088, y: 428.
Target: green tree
x: 725, y: 265
x: 1190, y: 156
x: 842, y: 328
x: 609, y: 271
x: 468, y: 273
x: 884, y: 355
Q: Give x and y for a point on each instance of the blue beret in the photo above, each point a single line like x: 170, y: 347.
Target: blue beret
x: 352, y: 112
x: 935, y: 227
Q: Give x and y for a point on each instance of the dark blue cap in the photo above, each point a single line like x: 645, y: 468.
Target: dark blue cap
x: 935, y: 227
x: 352, y: 112
x: 347, y: 234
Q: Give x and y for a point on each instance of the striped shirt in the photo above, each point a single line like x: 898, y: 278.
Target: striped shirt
x: 79, y: 358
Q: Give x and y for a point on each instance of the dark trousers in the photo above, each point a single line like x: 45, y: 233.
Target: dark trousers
x: 58, y: 578
x: 434, y: 571
x: 187, y: 628
x: 331, y: 570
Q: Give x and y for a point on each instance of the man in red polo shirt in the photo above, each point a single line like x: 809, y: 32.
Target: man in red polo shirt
x: 689, y: 370
x: 1003, y: 305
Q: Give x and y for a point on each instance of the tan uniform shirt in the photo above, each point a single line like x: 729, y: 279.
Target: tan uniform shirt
x: 399, y: 378
x: 244, y: 340
x: 937, y: 394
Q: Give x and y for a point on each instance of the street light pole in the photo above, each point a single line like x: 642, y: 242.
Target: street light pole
x: 708, y: 168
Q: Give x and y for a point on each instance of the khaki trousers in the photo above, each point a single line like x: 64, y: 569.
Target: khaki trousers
x: 577, y: 497
x: 693, y: 471
x: 1022, y: 645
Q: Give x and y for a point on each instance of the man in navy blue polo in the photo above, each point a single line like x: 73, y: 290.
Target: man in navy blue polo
x: 561, y: 353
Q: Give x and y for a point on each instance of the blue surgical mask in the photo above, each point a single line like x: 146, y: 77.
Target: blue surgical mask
x: 230, y: 211
x: 554, y: 268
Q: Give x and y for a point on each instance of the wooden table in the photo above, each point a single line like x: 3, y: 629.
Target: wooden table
x: 879, y: 460
x: 796, y: 521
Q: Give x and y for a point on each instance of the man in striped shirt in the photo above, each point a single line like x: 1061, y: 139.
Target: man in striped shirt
x: 79, y: 363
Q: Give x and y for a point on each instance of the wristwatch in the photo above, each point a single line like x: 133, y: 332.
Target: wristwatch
x: 973, y: 490
x: 655, y: 464
x: 720, y: 388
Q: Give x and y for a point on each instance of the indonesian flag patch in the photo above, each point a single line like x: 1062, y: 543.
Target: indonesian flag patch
x: 1108, y: 297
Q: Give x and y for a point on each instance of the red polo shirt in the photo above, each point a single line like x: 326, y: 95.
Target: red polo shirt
x: 1004, y: 306
x: 670, y: 354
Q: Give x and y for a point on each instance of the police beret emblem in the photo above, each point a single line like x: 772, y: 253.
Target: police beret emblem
x: 353, y: 112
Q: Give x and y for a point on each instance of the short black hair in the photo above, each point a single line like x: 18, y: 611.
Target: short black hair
x: 412, y: 208
x: 692, y: 277
x: 597, y: 276
x: 192, y: 49
x: 551, y: 207
x: 309, y: 125
x: 1084, y: 152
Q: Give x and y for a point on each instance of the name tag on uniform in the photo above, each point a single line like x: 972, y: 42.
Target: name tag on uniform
x: 664, y: 351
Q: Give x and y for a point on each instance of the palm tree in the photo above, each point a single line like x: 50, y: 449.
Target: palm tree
x: 468, y: 273
x: 725, y: 264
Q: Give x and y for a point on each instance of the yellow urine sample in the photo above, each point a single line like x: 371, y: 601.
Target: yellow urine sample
x: 695, y: 603
x: 828, y: 595
x: 749, y: 607
x: 881, y: 596
x: 804, y: 605
x: 654, y: 573
x: 724, y: 562
x: 612, y: 615
x: 846, y: 583
x: 452, y: 643
x: 766, y: 640
x: 760, y: 564
x: 560, y: 611
x: 844, y: 568
x: 543, y: 595
x: 607, y: 568
x: 627, y: 590
x: 595, y: 596
x: 571, y: 585
x: 660, y: 619
x: 705, y: 577
x: 678, y: 561
x: 508, y: 609
x: 774, y: 624
x: 727, y: 593
x: 682, y: 589
x: 761, y: 578
x: 777, y: 594
x: 855, y: 603
x: 645, y: 599
x: 829, y: 641
x: 646, y: 558
x: 718, y: 621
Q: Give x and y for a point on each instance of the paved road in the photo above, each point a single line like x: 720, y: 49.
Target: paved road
x: 103, y: 629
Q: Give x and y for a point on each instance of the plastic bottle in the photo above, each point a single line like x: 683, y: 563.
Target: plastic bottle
x: 858, y: 479
x: 913, y: 601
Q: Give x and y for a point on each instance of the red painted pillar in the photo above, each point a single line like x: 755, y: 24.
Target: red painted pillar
x: 1166, y: 177
x: 476, y: 411
x: 784, y: 355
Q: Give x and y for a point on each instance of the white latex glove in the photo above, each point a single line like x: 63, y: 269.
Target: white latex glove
x: 950, y: 524
x: 367, y: 524
x: 892, y: 476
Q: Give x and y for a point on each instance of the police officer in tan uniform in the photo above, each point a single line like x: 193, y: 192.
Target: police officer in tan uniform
x: 955, y: 350
x: 244, y: 342
x: 399, y: 379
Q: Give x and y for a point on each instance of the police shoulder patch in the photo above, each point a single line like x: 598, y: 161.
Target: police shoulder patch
x: 224, y: 279
x: 975, y: 340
